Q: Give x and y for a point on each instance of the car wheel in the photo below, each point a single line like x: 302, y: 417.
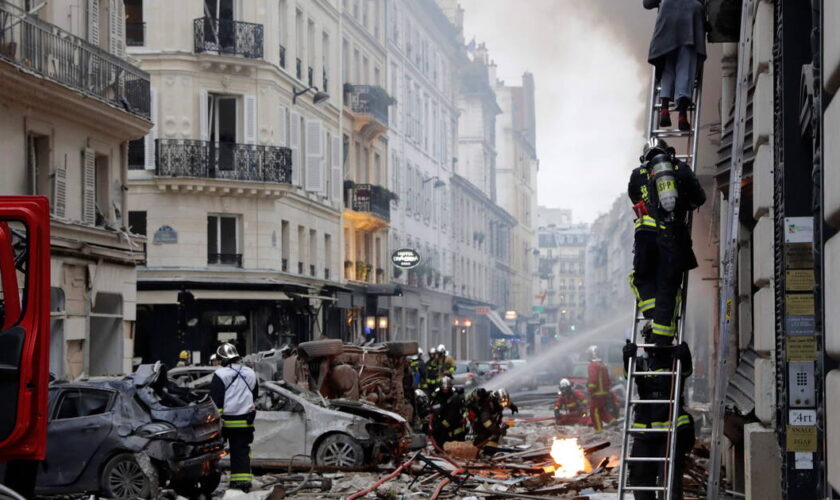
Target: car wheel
x: 340, y: 450
x: 122, y: 477
x: 403, y: 348
x: 196, y: 487
x: 322, y: 348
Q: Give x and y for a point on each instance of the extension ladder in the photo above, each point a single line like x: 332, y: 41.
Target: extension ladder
x: 685, y: 144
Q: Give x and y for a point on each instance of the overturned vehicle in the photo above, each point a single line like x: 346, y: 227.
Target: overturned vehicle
x: 378, y: 374
x: 297, y: 426
x: 125, y: 437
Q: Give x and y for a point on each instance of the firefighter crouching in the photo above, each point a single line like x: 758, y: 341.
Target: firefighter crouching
x: 600, y: 398
x: 658, y: 416
x: 485, y: 415
x: 234, y: 389
x: 570, y: 407
x: 448, y: 422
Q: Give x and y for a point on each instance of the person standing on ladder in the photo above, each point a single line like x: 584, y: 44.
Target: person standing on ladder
x: 677, y: 49
x: 658, y: 416
x: 673, y: 191
x: 599, y: 391
x: 642, y: 278
x: 234, y: 389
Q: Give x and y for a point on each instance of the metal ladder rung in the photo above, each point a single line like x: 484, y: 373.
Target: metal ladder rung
x: 669, y: 346
x: 651, y: 401
x: 672, y: 107
x: 672, y: 133
x: 654, y: 374
x: 646, y: 430
x: 646, y: 459
x: 644, y: 488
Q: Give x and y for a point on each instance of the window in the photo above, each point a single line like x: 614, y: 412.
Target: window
x: 284, y: 245
x: 103, y: 187
x: 137, y: 222
x: 313, y: 251
x: 301, y: 248
x: 135, y: 28
x: 327, y: 255
x: 38, y: 163
x: 223, y: 246
x: 75, y: 403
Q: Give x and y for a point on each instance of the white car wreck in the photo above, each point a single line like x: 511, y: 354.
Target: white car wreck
x: 296, y: 426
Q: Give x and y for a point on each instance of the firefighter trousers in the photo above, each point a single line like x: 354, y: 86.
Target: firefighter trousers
x: 599, y: 410
x: 669, y: 273
x: 643, y: 277
x: 239, y: 432
x: 653, y: 473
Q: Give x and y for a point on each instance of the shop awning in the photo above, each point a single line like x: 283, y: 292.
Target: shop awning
x: 157, y: 296
x: 238, y: 295
x: 497, y: 320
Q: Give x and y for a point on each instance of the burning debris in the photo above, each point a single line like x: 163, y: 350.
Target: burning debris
x: 569, y: 458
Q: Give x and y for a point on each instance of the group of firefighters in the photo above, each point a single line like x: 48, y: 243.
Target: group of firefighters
x: 599, y: 409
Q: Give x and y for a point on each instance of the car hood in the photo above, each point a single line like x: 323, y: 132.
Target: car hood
x: 366, y: 410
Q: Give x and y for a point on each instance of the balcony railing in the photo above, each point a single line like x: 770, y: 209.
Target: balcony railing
x: 369, y: 198
x: 282, y: 57
x: 368, y: 99
x: 233, y: 38
x: 220, y: 160
x: 135, y: 34
x: 39, y: 47
x: 225, y: 259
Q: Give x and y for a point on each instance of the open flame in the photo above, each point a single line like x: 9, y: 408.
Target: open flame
x: 569, y: 457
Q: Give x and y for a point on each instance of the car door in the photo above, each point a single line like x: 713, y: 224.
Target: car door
x: 280, y: 434
x: 80, y: 423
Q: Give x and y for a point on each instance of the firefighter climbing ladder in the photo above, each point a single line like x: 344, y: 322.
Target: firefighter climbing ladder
x: 685, y: 144
x: 730, y: 262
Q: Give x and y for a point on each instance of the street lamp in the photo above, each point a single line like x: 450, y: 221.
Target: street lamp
x: 318, y: 98
x: 438, y: 183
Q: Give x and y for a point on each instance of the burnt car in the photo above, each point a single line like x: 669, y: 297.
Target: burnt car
x: 125, y: 437
x: 296, y: 425
x: 378, y: 374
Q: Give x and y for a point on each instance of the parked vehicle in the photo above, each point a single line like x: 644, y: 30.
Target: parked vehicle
x: 466, y: 374
x: 378, y: 374
x: 124, y: 437
x: 301, y: 426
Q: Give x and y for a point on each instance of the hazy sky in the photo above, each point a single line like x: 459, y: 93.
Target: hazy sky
x: 589, y: 59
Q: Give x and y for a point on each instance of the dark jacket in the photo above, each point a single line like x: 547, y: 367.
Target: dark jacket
x: 659, y: 387
x: 678, y: 23
x: 637, y: 191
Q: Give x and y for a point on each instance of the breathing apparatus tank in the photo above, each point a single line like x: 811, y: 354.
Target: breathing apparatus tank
x: 662, y: 172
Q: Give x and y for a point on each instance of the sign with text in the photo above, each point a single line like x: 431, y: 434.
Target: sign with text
x: 482, y: 310
x: 802, y: 438
x: 405, y: 258
x: 799, y: 229
x: 802, y: 417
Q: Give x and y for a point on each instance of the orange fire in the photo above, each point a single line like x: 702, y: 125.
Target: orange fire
x: 569, y: 457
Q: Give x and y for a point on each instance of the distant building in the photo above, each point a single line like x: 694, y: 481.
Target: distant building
x: 562, y: 278
x: 71, y: 103
x: 560, y: 217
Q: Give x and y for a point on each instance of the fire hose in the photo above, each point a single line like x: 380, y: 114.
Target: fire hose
x: 384, y: 479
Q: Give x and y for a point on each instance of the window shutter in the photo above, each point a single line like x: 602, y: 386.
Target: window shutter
x: 93, y: 21
x: 281, y: 139
x: 294, y: 145
x: 152, y: 135
x: 336, y: 169
x: 116, y: 35
x: 314, y: 156
x: 59, y: 198
x: 89, y: 186
x: 203, y: 115
x: 250, y: 119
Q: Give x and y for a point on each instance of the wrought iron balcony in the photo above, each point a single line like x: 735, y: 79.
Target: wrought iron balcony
x: 220, y: 160
x: 368, y: 198
x: 42, y: 48
x: 225, y: 259
x: 232, y: 38
x: 368, y: 100
x: 135, y: 34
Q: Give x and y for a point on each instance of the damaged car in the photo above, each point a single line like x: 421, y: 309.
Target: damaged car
x: 126, y: 437
x: 299, y: 426
x: 378, y: 374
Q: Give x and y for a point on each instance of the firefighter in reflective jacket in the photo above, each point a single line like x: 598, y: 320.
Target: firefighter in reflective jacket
x: 483, y: 412
x: 418, y: 370
x: 569, y: 409
x: 448, y: 422
x: 598, y: 384
x: 658, y: 416
x: 643, y: 276
x: 432, y: 380
x: 672, y: 192
x: 234, y: 389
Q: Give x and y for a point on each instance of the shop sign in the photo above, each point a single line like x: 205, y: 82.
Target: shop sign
x: 405, y: 258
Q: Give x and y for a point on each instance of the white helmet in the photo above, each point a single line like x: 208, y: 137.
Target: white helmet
x: 227, y: 351
x: 441, y: 348
x: 433, y: 350
x: 565, y: 384
x: 593, y: 353
x: 419, y: 351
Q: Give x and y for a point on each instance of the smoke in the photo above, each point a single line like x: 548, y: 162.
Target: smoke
x: 589, y: 59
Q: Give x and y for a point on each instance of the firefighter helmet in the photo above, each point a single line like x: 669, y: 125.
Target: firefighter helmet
x: 446, y: 383
x: 503, y: 396
x: 441, y: 349
x: 184, y: 355
x: 432, y: 351
x: 227, y: 352
x: 593, y: 353
x: 565, y: 384
x: 653, y: 147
